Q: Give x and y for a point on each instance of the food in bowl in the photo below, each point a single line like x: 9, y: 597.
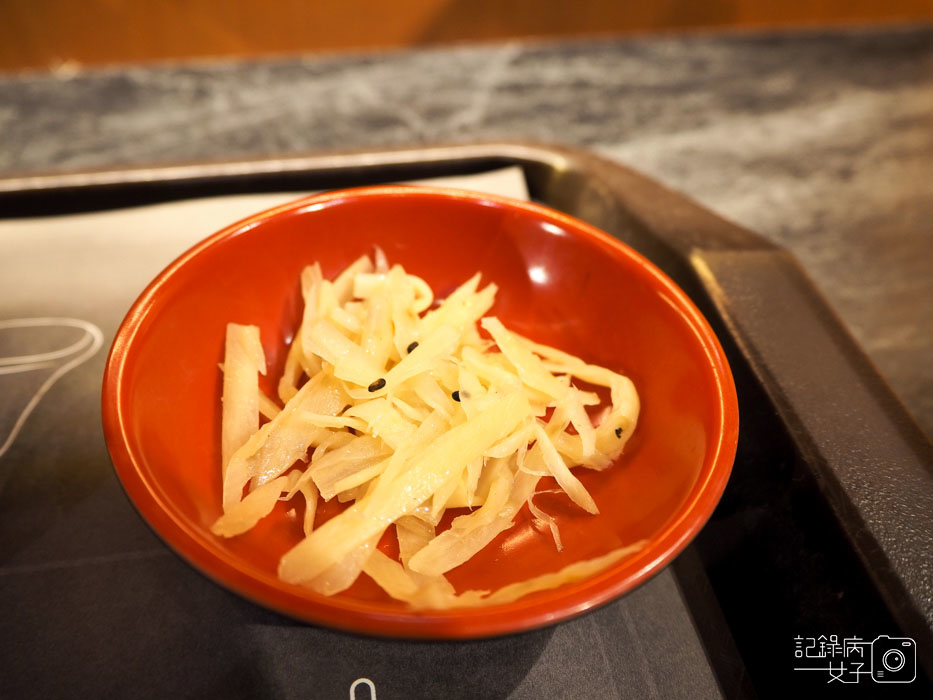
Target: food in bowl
x: 404, y: 409
x: 562, y: 282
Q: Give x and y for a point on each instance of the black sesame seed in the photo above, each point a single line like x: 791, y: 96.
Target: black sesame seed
x: 455, y: 396
x: 378, y: 384
x: 618, y: 432
x: 411, y: 346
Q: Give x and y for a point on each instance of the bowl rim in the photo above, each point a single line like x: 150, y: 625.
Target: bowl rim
x: 566, y: 602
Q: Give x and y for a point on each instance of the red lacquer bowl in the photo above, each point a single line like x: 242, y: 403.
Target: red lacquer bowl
x: 561, y: 282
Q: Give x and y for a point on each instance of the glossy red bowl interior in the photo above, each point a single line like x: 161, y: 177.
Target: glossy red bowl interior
x: 561, y: 282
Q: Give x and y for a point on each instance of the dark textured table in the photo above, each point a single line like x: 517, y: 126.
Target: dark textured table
x: 821, y: 142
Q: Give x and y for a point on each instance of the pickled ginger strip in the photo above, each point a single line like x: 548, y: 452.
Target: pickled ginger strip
x: 413, y: 534
x: 417, y: 590
x: 363, y: 474
x: 529, y: 366
x: 462, y: 309
x: 244, y: 361
x: 571, y: 573
x: 293, y: 371
x: 312, y: 282
x: 561, y: 472
x: 256, y: 505
x: 350, y: 361
x: 268, y: 407
x: 383, y: 421
x: 376, y: 333
x: 359, y: 453
x: 342, y: 574
x: 310, y: 493
x: 547, y: 520
x: 343, y: 284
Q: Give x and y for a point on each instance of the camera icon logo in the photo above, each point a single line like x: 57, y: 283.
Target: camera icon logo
x: 893, y: 659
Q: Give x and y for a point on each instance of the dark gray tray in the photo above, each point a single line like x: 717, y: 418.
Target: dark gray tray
x: 826, y: 526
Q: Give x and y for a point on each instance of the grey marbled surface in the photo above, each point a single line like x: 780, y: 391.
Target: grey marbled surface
x: 820, y: 141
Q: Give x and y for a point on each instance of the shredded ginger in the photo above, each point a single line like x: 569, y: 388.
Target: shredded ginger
x: 402, y: 408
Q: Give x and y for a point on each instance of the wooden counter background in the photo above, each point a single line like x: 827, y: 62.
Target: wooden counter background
x: 40, y: 34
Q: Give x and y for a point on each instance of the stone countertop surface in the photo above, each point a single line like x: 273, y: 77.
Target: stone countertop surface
x: 821, y: 141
